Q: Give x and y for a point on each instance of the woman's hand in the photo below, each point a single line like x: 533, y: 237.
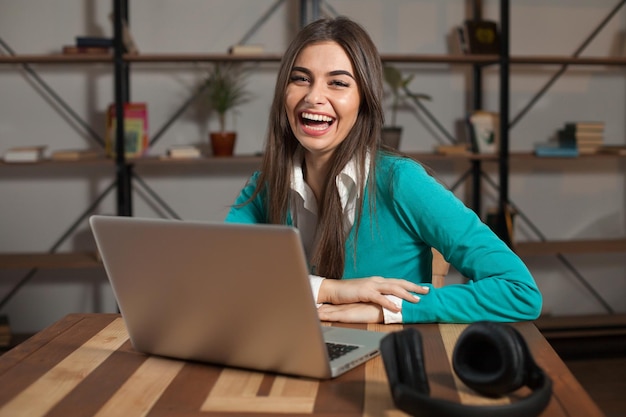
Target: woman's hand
x: 351, y: 313
x: 369, y: 290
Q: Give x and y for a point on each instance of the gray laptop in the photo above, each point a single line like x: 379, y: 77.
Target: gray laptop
x: 230, y: 294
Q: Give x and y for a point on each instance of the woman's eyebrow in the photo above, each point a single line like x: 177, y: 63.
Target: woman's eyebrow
x: 301, y: 69
x: 341, y: 72
x: 331, y: 73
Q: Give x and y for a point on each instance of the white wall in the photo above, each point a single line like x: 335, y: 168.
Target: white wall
x: 37, y: 205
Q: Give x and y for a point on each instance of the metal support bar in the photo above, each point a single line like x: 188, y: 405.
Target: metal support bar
x: 476, y: 187
x: 123, y: 170
x: 176, y: 115
x: 56, y: 245
x: 330, y: 8
x: 260, y: 22
x: 156, y: 197
x: 314, y: 10
x: 460, y: 180
x: 503, y: 166
x: 477, y: 104
x: 564, y: 67
x: 55, y: 97
x: 429, y: 115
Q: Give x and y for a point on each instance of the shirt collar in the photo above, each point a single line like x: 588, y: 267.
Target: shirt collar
x: 346, y: 181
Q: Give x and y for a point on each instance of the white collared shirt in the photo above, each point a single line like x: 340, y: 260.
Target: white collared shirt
x: 304, y: 216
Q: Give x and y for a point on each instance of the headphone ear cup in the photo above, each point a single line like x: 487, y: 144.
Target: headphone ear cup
x: 491, y: 358
x: 404, y: 360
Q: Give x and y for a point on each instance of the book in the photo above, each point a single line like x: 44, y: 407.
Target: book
x: 24, y: 154
x: 94, y: 41
x: 482, y: 37
x: 461, y: 41
x: 183, y: 152
x: 241, y: 49
x: 554, y: 150
x: 90, y: 50
x: 75, y: 154
x: 589, y: 126
x: 456, y: 149
x: 484, y: 131
x: 135, y: 130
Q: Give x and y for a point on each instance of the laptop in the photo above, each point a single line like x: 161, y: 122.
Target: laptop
x: 236, y: 295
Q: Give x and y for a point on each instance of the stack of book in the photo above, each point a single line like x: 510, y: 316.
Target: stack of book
x: 183, y: 152
x: 75, y: 154
x: 89, y: 45
x: 576, y: 138
x: 23, y: 154
x: 587, y: 137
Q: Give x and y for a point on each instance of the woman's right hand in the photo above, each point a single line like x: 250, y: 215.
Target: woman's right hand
x: 369, y: 290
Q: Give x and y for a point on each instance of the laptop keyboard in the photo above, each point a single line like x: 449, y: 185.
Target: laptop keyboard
x: 336, y: 350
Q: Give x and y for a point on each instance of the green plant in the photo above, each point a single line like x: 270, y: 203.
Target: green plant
x: 225, y: 90
x: 398, y: 86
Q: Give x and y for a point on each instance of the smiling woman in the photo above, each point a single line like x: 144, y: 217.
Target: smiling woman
x: 369, y: 217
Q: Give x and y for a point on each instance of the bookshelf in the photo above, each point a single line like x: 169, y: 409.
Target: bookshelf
x: 505, y: 162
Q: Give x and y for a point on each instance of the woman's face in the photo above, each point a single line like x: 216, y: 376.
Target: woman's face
x: 322, y: 98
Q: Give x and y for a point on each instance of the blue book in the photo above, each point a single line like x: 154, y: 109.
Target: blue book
x: 553, y: 150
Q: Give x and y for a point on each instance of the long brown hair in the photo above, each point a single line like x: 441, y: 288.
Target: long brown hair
x: 363, y: 139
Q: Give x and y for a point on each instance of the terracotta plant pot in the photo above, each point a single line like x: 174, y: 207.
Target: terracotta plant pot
x: 223, y: 143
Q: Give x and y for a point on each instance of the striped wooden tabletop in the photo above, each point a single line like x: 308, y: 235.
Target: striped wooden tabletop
x: 84, y: 365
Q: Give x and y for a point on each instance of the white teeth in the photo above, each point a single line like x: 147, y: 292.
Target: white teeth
x: 317, y: 117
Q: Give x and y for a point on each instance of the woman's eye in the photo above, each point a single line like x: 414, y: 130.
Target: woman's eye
x: 299, y: 79
x: 339, y: 83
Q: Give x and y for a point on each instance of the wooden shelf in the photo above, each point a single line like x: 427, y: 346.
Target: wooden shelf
x: 568, y: 60
x: 51, y: 163
x: 440, y: 59
x: 224, y: 57
x: 397, y: 58
x: 276, y: 57
x: 55, y: 59
x: 211, y: 160
x: 49, y: 260
x: 256, y: 159
x: 237, y: 159
x: 523, y: 157
x: 570, y: 247
x: 192, y: 57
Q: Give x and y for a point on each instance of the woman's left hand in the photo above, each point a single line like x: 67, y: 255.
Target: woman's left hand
x: 351, y: 313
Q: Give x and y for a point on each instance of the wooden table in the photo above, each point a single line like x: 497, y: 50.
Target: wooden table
x: 84, y: 365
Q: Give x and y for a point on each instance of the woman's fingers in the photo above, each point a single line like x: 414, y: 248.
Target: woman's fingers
x: 351, y: 313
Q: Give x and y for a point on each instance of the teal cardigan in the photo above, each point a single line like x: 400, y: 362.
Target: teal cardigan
x: 413, y: 212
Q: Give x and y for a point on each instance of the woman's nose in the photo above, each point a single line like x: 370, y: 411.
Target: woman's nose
x: 315, y: 95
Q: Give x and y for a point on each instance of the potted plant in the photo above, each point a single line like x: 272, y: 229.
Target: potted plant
x: 224, y: 90
x: 399, y: 94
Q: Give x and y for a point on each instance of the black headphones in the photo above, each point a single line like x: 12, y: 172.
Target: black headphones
x: 491, y: 358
